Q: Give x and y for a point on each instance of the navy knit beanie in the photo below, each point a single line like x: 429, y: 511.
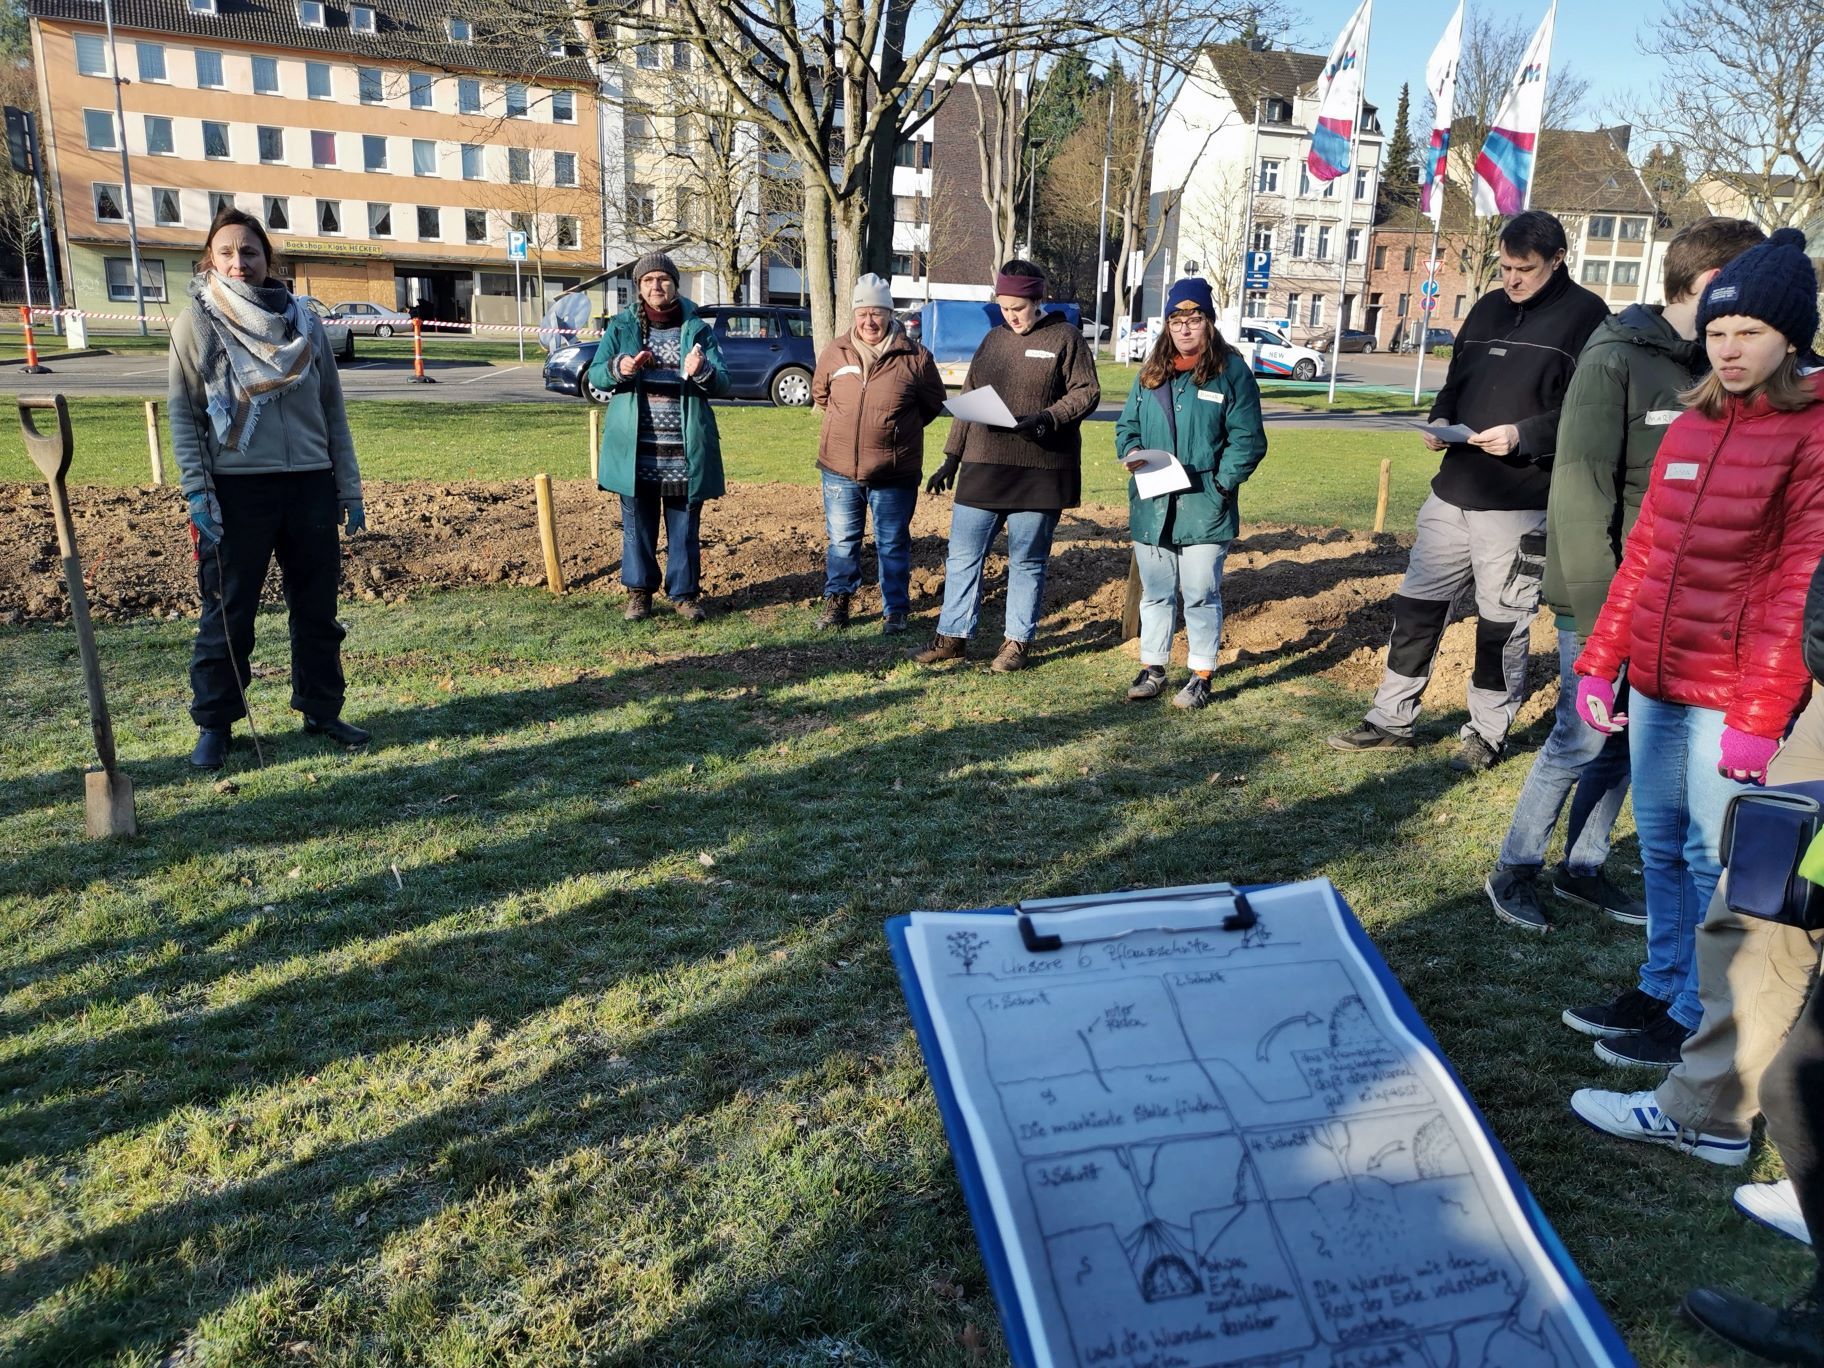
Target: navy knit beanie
x: 1773, y: 282
x: 1194, y: 291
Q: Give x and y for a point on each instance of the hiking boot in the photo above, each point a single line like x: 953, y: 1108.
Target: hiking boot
x: 342, y: 733
x: 1474, y: 755
x: 1149, y: 683
x: 1631, y: 1011
x: 892, y: 624
x: 1792, y: 1335
x: 639, y: 605
x: 1657, y: 1047
x: 835, y: 612
x: 1370, y: 737
x: 1774, y: 1205
x: 690, y: 609
x: 1514, y: 892
x: 211, y: 751
x: 942, y: 648
x: 1595, y: 890
x: 1011, y: 657
x: 1636, y: 1116
x: 1195, y: 693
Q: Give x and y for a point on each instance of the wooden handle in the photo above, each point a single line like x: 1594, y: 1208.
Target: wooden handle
x: 49, y: 452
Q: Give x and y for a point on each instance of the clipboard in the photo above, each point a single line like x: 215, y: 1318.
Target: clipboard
x: 1215, y: 910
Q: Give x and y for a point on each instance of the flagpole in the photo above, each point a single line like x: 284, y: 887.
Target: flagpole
x: 1526, y: 200
x: 1247, y: 222
x: 1355, y: 143
x: 1418, y: 372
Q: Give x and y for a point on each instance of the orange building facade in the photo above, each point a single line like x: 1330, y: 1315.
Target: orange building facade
x: 389, y: 155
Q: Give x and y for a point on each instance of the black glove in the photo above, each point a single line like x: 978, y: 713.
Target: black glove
x: 1037, y: 426
x: 944, y: 476
x: 1223, y: 492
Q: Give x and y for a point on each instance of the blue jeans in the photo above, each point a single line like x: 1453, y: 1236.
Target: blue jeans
x: 972, y: 532
x: 1194, y: 572
x: 1576, y: 756
x: 640, y: 544
x: 1678, y: 812
x: 846, y: 504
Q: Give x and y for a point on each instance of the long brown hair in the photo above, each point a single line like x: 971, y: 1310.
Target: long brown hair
x: 1159, y: 368
x: 1786, y: 391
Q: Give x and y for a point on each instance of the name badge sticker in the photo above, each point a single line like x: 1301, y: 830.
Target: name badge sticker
x: 1681, y: 470
x: 1497, y: 351
x: 1662, y: 417
x: 1209, y: 396
x: 846, y: 370
x: 1041, y: 355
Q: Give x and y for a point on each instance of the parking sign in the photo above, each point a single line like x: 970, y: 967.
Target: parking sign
x: 516, y: 246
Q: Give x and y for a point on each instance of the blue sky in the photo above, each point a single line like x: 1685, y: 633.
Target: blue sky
x: 1599, y: 40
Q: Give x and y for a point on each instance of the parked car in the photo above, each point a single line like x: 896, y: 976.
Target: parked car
x: 767, y: 349
x: 1434, y: 337
x: 341, y: 337
x: 1354, y: 340
x: 1272, y: 354
x: 371, y: 320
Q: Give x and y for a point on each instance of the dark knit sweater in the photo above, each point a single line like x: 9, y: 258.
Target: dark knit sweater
x: 1049, y: 369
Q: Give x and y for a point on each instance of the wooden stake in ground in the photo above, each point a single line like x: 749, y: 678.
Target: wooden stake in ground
x: 152, y: 443
x: 1380, y: 498
x: 107, y: 793
x: 547, y: 533
x: 595, y: 442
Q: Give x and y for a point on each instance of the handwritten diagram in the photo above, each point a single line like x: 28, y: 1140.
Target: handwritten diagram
x: 1213, y: 1148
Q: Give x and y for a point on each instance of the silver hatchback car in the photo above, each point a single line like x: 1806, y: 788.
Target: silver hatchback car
x: 370, y: 320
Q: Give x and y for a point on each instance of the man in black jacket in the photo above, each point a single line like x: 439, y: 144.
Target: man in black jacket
x: 1485, y: 519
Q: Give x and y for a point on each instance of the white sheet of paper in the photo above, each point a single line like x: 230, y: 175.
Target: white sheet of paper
x: 981, y: 406
x: 1160, y: 475
x: 1448, y: 432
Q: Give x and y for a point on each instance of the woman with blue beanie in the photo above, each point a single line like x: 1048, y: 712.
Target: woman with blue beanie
x: 1706, y: 616
x: 1196, y: 398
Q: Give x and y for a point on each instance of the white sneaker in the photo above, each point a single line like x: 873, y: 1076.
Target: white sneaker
x: 1774, y: 1205
x: 1636, y: 1116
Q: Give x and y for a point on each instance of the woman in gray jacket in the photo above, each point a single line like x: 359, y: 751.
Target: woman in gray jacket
x: 268, y: 467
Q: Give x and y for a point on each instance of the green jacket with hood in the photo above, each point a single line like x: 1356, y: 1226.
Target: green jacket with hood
x: 1620, y: 403
x: 614, y: 464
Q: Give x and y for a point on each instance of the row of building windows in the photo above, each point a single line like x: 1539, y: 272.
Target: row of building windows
x: 276, y: 211
x: 1606, y: 273
x: 1267, y: 182
x: 1308, y: 241
x: 372, y: 85
x: 217, y: 144
x: 1254, y: 305
x: 1604, y: 227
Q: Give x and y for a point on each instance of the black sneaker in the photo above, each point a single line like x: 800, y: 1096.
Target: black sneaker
x: 1792, y: 1335
x: 1474, y: 755
x: 1370, y: 737
x: 1657, y: 1047
x: 892, y: 624
x: 1632, y: 1011
x: 1149, y: 683
x: 1595, y: 890
x: 1515, y: 895
x: 1195, y: 693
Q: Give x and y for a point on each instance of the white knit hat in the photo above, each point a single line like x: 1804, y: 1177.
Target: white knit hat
x: 871, y: 292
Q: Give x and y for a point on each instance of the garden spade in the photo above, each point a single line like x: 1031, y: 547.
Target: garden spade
x: 107, y: 793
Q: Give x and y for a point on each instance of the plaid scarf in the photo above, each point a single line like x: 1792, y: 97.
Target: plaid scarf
x: 255, y: 346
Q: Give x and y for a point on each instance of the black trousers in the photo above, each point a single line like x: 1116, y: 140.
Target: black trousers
x: 1792, y: 1100
x: 292, y: 516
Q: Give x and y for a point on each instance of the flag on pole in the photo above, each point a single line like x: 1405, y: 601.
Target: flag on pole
x: 1441, y: 80
x: 1339, y: 98
x: 1504, y: 169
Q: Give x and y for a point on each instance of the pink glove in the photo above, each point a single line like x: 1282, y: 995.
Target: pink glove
x: 1596, y: 705
x: 1745, y: 755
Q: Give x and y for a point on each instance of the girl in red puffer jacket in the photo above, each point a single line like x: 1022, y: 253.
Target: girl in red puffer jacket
x: 1706, y: 616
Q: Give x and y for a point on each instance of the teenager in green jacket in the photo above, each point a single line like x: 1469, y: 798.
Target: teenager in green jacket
x: 1195, y: 398
x: 660, y: 451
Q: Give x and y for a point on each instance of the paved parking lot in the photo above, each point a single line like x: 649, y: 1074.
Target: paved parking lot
x: 143, y: 373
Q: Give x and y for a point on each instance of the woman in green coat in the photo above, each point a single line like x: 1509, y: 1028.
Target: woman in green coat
x: 660, y: 451
x: 1196, y: 398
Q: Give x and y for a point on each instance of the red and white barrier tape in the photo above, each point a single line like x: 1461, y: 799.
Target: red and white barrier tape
x: 400, y: 330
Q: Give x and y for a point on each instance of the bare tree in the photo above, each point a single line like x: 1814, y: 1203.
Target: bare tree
x: 1000, y: 131
x: 1743, y: 98
x: 18, y: 198
x: 944, y: 234
x: 1211, y: 225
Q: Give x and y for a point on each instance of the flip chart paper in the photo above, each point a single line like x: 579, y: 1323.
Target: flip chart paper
x: 1162, y: 474
x: 1211, y: 1147
x: 1447, y: 432
x: 981, y: 406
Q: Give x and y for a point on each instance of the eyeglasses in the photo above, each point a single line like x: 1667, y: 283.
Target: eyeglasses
x: 1186, y: 321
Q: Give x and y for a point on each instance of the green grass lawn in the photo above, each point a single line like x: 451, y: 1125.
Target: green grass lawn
x: 1324, y: 476
x: 559, y: 1024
